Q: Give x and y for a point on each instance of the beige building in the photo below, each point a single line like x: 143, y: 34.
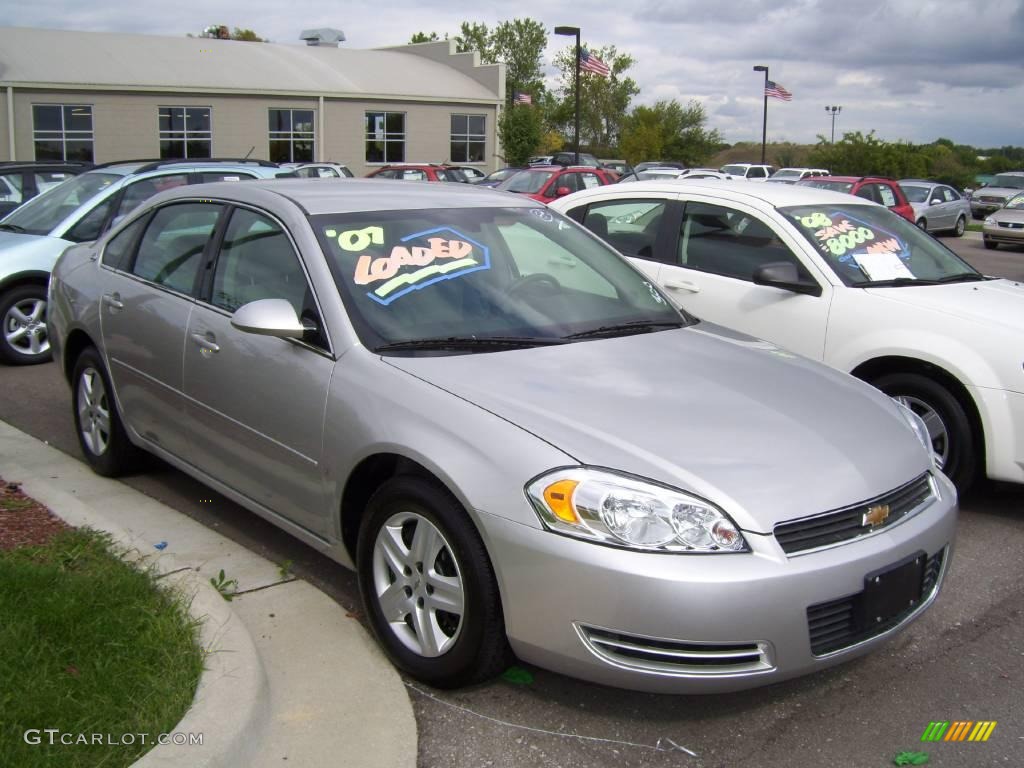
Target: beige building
x: 103, y: 97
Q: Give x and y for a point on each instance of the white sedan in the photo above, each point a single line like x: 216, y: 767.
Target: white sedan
x: 845, y: 281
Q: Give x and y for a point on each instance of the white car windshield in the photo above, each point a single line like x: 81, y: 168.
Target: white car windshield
x: 867, y: 245
x: 42, y: 214
x: 490, y: 276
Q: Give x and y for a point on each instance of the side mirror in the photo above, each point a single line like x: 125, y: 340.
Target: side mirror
x: 562, y: 192
x: 935, y: 201
x: 784, y: 275
x: 269, y: 317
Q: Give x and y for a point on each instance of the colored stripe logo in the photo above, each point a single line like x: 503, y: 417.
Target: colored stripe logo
x: 958, y: 730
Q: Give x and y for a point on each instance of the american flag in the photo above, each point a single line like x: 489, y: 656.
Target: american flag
x: 773, y: 89
x: 590, y: 63
x: 523, y: 98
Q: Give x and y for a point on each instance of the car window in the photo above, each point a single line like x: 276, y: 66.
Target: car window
x: 48, y: 179
x: 412, y: 174
x: 887, y: 196
x: 91, y: 225
x: 117, y: 252
x: 916, y: 193
x: 527, y: 182
x: 630, y: 226
x: 757, y: 173
x: 326, y: 173
x: 172, y: 247
x: 730, y: 243
x: 10, y: 188
x: 42, y: 214
x: 589, y: 180
x: 869, y: 192
x: 384, y: 174
x: 950, y: 195
x: 257, y: 261
x: 864, y: 244
x: 211, y: 176
x: 480, y: 272
x: 137, y: 192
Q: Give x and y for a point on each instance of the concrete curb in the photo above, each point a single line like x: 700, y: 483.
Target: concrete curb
x: 288, y: 674
x: 232, y: 690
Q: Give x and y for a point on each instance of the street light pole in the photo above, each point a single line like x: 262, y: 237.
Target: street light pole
x: 833, y: 109
x: 575, y: 32
x: 764, y: 119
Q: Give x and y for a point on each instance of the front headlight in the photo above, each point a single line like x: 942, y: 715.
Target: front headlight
x: 990, y: 221
x: 626, y: 512
x: 917, y: 424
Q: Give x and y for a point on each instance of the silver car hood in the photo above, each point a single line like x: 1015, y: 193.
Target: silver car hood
x: 765, y: 434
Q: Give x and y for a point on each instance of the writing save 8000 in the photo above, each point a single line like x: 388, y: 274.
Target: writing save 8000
x: 838, y: 238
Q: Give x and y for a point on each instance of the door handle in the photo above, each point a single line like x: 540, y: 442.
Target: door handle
x: 204, y: 343
x: 682, y: 285
x: 113, y: 300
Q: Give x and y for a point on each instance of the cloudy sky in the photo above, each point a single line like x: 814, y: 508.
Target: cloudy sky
x: 909, y: 69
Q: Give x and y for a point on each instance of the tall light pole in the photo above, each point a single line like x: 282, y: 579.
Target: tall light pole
x: 764, y: 119
x: 834, y: 110
x: 575, y: 32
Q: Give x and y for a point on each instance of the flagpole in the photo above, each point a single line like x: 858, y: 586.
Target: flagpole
x: 764, y: 119
x: 576, y: 86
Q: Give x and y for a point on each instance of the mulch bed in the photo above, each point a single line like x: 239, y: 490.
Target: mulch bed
x: 24, y: 522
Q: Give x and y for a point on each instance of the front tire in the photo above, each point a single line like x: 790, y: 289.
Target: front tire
x: 25, y: 340
x: 98, y: 425
x: 922, y: 225
x: 990, y: 245
x: 948, y: 424
x: 428, y: 586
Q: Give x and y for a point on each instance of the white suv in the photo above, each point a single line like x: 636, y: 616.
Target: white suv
x: 748, y: 171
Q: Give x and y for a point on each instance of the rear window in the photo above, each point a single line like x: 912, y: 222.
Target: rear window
x: 835, y: 186
x: 527, y: 182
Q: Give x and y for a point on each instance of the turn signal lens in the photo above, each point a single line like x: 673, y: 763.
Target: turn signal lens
x: 558, y: 496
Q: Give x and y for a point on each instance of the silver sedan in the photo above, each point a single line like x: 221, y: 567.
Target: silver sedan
x: 937, y: 207
x: 511, y: 434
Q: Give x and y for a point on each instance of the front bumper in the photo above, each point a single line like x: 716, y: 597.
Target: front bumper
x: 1002, y: 415
x: 716, y: 623
x: 980, y: 208
x: 999, y: 234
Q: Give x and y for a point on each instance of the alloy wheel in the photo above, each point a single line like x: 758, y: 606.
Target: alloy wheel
x: 933, y: 422
x: 93, y: 411
x: 25, y: 327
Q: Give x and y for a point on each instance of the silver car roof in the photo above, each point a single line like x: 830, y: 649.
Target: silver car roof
x: 777, y: 195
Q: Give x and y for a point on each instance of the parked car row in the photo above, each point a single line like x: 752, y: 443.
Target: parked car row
x: 518, y: 440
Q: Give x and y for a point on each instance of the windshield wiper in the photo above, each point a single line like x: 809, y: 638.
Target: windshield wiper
x: 963, y: 277
x: 13, y: 228
x: 895, y: 282
x: 468, y: 342
x: 634, y: 326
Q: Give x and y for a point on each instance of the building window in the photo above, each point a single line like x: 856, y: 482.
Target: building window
x: 291, y: 135
x: 62, y: 131
x: 468, y: 138
x: 185, y: 132
x: 385, y: 137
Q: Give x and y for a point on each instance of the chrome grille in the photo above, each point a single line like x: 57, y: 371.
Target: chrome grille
x: 675, y: 657
x: 839, y: 624
x: 842, y: 525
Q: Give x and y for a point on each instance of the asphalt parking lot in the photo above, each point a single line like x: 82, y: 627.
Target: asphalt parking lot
x: 963, y: 660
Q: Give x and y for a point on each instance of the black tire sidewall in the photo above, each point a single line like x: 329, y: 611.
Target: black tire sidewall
x: 961, y: 462
x: 9, y: 298
x: 481, y: 642
x: 120, y: 456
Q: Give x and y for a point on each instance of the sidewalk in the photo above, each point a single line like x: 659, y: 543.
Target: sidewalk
x: 290, y: 679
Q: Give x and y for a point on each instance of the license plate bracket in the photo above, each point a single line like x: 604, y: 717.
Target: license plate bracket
x: 892, y: 591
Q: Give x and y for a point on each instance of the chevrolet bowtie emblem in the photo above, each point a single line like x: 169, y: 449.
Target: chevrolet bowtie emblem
x: 876, y: 515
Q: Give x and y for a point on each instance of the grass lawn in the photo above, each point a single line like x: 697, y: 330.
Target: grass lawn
x: 88, y: 645
x: 974, y: 226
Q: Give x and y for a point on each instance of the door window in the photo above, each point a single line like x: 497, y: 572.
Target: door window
x: 172, y: 247
x: 10, y: 188
x: 630, y: 226
x: 138, y: 192
x: 728, y: 242
x: 257, y: 262
x: 117, y: 254
x: 949, y: 195
x: 887, y: 196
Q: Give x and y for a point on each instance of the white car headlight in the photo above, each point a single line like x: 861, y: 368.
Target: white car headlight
x: 990, y: 221
x: 918, y: 425
x: 626, y: 512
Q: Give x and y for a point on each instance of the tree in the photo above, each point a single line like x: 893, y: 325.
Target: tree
x: 521, y: 132
x: 668, y: 131
x: 604, y: 101
x: 220, y: 32
x: 475, y: 37
x: 248, y: 36
x: 520, y: 43
x: 423, y: 37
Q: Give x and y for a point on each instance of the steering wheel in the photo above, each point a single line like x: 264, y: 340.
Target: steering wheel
x: 536, y: 280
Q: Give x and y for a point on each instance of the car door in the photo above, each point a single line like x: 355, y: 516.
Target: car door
x: 719, y: 246
x: 145, y: 307
x: 950, y: 206
x: 256, y: 403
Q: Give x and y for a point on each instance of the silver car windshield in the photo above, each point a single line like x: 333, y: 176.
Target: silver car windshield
x: 1006, y: 180
x: 42, y: 214
x: 868, y: 245
x: 522, y: 276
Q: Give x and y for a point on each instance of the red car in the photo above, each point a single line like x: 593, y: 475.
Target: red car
x: 419, y: 172
x: 549, y: 182
x: 874, y: 188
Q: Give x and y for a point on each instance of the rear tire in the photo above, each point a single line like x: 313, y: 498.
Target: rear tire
x: 25, y: 340
x: 961, y: 227
x: 98, y: 425
x: 948, y: 424
x: 428, y: 586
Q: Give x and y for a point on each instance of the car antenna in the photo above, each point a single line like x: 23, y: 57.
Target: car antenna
x: 249, y: 152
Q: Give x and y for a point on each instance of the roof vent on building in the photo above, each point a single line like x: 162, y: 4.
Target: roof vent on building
x: 324, y: 36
